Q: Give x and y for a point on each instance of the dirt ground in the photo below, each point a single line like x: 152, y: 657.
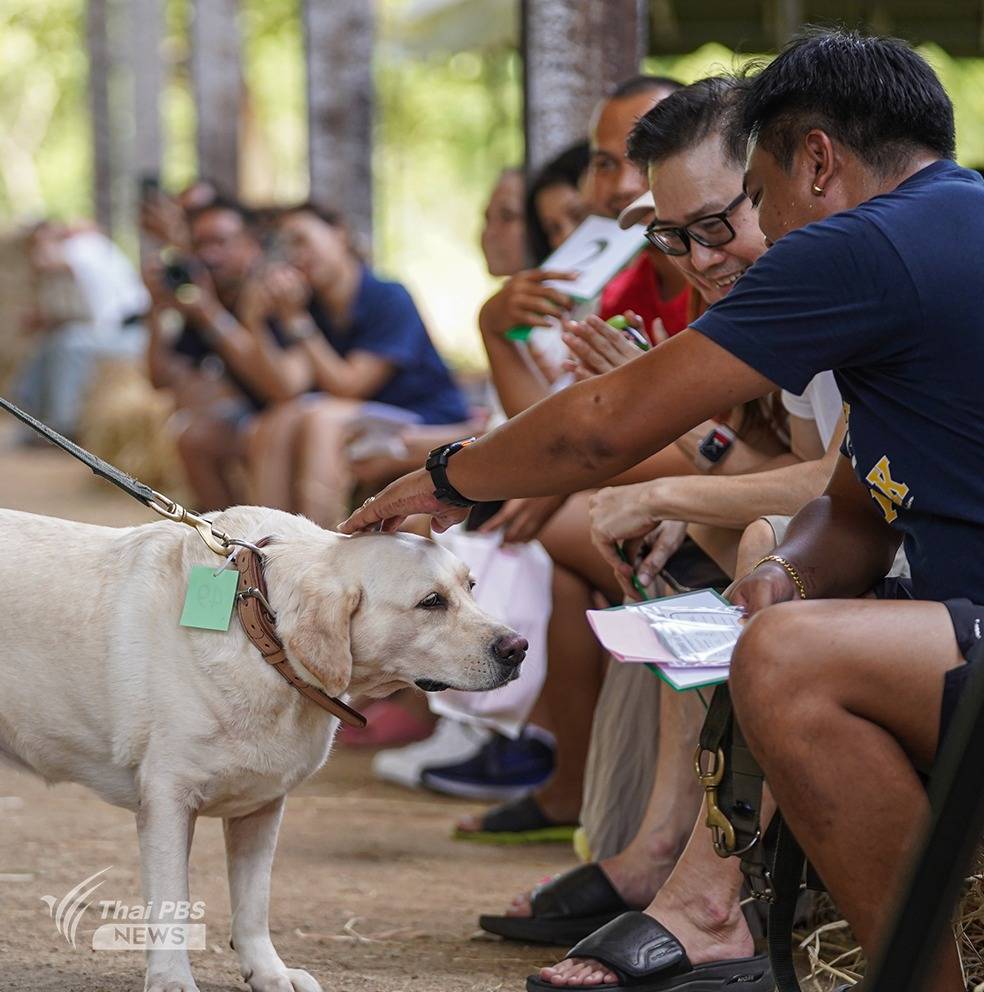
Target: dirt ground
x: 370, y: 894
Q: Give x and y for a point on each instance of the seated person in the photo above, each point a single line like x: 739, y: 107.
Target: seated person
x: 850, y: 189
x: 504, y: 231
x: 200, y: 350
x: 89, y: 306
x: 555, y: 204
x: 682, y: 138
x: 356, y: 348
x: 561, y: 524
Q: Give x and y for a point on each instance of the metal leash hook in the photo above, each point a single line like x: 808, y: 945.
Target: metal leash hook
x: 722, y: 829
x: 171, y: 510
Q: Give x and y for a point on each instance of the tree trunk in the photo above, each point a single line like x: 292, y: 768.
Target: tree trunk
x: 574, y: 51
x: 217, y: 85
x: 145, y: 31
x: 338, y: 37
x: 100, y: 66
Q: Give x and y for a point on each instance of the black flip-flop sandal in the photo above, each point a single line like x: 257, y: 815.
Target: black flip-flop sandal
x: 648, y: 958
x: 564, y: 910
x: 520, y: 821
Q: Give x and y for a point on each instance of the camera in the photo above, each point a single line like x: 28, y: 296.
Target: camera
x: 178, y: 270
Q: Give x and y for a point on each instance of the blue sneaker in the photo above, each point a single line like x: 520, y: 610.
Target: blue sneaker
x: 502, y: 769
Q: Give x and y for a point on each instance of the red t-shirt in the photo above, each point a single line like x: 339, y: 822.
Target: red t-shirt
x: 637, y: 288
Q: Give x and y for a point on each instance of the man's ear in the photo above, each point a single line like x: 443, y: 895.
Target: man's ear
x: 321, y: 641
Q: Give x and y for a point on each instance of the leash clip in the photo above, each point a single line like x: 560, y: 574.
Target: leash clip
x: 171, y: 510
x: 722, y: 829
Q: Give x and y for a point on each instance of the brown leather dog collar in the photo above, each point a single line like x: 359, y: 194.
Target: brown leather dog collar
x: 259, y: 622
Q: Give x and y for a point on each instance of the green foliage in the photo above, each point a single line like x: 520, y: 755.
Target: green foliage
x: 446, y: 126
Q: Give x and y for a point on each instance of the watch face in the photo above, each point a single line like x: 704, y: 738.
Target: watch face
x: 715, y: 445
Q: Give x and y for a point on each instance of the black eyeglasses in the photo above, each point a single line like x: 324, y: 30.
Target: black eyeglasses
x: 711, y: 231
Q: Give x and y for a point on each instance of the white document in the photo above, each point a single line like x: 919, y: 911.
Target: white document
x: 687, y: 639
x: 596, y: 251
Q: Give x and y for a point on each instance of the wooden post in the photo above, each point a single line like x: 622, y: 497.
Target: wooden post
x: 217, y: 87
x: 574, y: 51
x: 789, y: 19
x: 100, y: 67
x: 338, y: 39
x: 145, y: 30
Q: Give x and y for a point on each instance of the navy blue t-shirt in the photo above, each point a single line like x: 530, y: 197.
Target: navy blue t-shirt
x: 889, y: 295
x: 385, y: 322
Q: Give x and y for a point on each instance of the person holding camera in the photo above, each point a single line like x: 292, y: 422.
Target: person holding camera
x: 356, y: 353
x: 200, y: 350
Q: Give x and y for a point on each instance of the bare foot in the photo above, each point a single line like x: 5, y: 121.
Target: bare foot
x: 635, y: 873
x: 707, y: 932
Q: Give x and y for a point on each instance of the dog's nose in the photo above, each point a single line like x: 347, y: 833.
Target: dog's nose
x: 510, y: 650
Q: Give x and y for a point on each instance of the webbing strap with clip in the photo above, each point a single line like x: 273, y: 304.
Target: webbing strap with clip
x: 158, y: 502
x: 731, y: 778
x: 773, y: 865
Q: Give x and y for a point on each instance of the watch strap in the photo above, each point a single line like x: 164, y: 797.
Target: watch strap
x: 437, y: 465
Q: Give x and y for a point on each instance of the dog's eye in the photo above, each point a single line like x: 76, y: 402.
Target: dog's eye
x: 472, y: 583
x: 432, y: 602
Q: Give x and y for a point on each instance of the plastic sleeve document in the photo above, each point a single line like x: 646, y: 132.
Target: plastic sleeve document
x: 687, y: 639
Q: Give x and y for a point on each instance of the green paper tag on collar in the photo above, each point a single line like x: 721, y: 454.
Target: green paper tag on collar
x: 208, y: 602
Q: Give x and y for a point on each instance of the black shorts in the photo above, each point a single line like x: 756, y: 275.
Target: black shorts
x: 968, y: 627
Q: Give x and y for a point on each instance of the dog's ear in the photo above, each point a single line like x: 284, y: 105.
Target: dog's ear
x: 321, y: 641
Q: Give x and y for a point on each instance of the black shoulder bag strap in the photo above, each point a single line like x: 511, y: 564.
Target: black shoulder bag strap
x: 773, y: 865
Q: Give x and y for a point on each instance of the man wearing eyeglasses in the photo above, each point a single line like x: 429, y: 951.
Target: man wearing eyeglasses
x: 843, y: 700
x: 698, y: 222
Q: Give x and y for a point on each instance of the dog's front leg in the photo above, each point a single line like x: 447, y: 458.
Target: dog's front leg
x: 165, y: 827
x: 250, y: 845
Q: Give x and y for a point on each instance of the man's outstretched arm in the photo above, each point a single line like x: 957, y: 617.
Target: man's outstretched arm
x: 584, y: 435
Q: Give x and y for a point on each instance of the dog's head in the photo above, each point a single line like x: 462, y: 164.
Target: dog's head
x: 375, y: 612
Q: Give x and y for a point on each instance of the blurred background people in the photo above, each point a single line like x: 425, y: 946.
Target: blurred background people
x: 89, y: 306
x: 357, y: 353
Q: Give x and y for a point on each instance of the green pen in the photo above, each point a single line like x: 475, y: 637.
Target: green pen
x: 621, y: 324
x: 636, y: 584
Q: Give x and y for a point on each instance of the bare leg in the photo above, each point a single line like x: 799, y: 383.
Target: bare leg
x: 859, y: 682
x: 165, y: 827
x: 324, y: 479
x: 642, y: 868
x: 577, y: 663
x: 206, y: 446
x: 719, y: 543
x: 270, y: 445
x: 251, y: 842
x: 698, y: 904
x: 575, y: 660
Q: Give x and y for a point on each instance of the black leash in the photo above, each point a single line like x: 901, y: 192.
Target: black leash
x: 158, y: 502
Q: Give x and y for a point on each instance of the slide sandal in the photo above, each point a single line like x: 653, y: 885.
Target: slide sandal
x: 520, y: 821
x: 648, y: 958
x: 566, y: 909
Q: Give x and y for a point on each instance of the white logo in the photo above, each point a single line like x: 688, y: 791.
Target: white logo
x: 68, y: 915
x: 132, y: 928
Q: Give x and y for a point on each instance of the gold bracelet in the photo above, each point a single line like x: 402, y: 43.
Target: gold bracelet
x: 790, y: 570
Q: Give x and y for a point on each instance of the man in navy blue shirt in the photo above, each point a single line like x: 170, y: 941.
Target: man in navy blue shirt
x: 875, y: 274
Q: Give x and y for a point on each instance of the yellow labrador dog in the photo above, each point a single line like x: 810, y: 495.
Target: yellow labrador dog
x: 100, y: 685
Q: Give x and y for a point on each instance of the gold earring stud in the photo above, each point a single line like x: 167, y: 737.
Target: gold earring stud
x: 817, y: 190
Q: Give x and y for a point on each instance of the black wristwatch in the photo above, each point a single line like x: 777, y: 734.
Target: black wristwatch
x: 437, y: 463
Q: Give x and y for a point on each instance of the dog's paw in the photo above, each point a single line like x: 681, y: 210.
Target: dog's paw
x: 283, y: 980
x: 170, y: 983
